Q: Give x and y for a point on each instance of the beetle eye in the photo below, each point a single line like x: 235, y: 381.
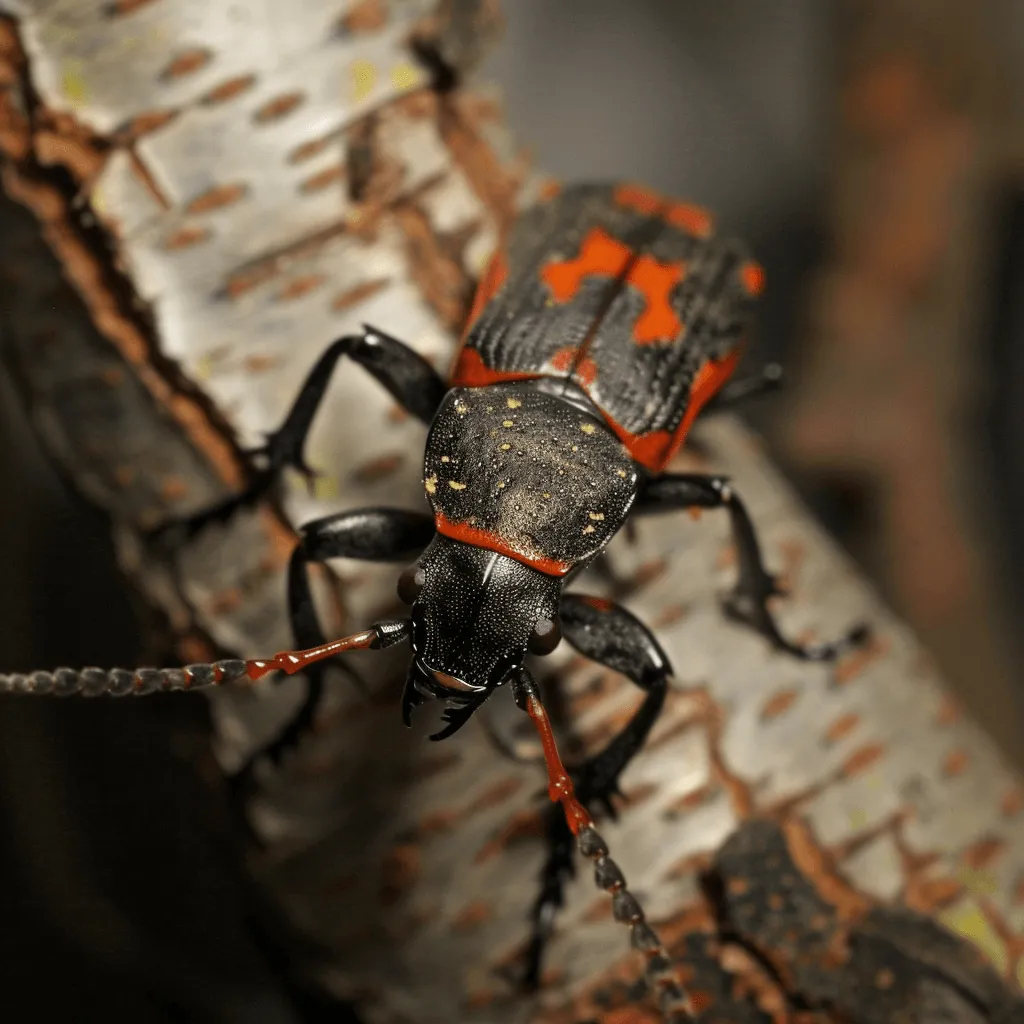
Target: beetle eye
x: 410, y: 583
x: 545, y: 636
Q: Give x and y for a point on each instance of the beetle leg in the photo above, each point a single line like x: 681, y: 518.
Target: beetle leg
x: 737, y: 391
x: 409, y: 378
x: 748, y: 602
x: 375, y: 535
x: 608, y: 634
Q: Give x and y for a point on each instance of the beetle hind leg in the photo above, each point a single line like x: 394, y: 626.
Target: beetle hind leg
x: 748, y: 602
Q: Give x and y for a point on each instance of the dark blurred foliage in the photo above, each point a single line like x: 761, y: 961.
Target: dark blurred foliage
x: 120, y: 892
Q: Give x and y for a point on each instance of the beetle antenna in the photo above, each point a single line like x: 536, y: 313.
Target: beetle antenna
x: 120, y: 682
x: 671, y: 994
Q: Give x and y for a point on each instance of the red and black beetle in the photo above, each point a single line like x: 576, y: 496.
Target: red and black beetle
x: 605, y: 323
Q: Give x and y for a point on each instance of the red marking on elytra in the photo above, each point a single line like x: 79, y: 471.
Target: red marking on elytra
x: 472, y: 372
x: 480, y: 538
x: 295, y: 661
x: 598, y: 603
x: 604, y: 256
x: 694, y: 219
x: 656, y: 449
x: 600, y: 254
x: 585, y: 370
x: 752, y: 277
x: 636, y: 197
x: 560, y: 788
x: 494, y: 277
x: 564, y: 358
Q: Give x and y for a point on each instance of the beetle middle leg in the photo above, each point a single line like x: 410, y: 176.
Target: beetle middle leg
x: 371, y: 534
x: 748, y: 602
x: 611, y: 636
x: 405, y: 374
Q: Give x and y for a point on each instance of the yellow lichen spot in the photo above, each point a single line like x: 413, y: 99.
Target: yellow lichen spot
x: 513, y: 403
x: 364, y: 78
x: 858, y: 819
x: 596, y: 516
x: 505, y: 447
x: 507, y: 423
x: 587, y: 428
x: 501, y: 483
x: 72, y: 83
x: 456, y: 486
x: 546, y: 495
x: 204, y: 368
x: 980, y: 883
x: 405, y: 76
x: 98, y: 201
x: 966, y: 919
x: 588, y: 529
x: 575, y: 447
x: 325, y: 488
x: 444, y: 458
x: 622, y: 473
x: 431, y: 484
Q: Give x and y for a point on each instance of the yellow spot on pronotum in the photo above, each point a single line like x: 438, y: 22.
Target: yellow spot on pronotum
x: 966, y: 919
x: 461, y: 409
x: 456, y: 486
x: 587, y: 428
x: 597, y: 516
x: 588, y: 529
x: 72, y: 83
x: 364, y: 78
x: 405, y: 76
x: 431, y: 484
x: 622, y: 473
x: 444, y: 458
x: 514, y: 403
x: 507, y: 423
x: 505, y: 447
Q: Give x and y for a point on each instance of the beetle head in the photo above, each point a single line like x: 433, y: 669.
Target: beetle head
x: 475, y: 616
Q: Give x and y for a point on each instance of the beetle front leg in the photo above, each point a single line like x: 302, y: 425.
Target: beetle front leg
x: 372, y: 534
x: 748, y: 602
x: 405, y: 374
x: 611, y: 636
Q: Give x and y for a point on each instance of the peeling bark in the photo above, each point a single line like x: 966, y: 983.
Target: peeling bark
x: 223, y: 199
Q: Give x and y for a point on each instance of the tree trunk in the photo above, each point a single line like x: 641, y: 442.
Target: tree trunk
x: 227, y: 188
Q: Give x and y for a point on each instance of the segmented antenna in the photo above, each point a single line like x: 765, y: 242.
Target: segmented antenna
x: 123, y: 682
x: 672, y: 999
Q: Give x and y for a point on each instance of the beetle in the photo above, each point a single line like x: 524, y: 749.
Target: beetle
x: 607, y: 320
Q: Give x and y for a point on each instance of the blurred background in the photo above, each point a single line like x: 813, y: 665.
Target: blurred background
x: 873, y: 154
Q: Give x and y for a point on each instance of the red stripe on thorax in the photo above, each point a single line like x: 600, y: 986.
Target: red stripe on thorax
x: 479, y: 538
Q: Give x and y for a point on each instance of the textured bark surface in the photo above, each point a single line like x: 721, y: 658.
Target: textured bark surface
x: 228, y: 188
